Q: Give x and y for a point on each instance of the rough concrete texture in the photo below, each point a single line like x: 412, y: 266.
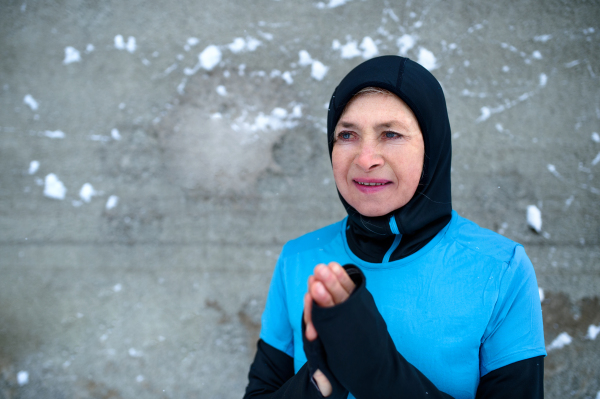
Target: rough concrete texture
x: 160, y: 294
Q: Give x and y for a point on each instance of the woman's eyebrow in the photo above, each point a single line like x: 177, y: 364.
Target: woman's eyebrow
x: 383, y: 125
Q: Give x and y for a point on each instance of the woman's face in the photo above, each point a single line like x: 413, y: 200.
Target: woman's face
x: 377, y: 154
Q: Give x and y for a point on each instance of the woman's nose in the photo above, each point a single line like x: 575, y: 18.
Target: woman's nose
x: 369, y: 157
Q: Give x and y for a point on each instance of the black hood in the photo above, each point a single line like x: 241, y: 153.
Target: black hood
x: 430, y: 208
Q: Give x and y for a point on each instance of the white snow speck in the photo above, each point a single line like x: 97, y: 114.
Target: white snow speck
x: 318, y: 70
x: 572, y: 63
x: 112, y: 201
x: 596, y: 160
x: 593, y: 332
x: 287, y: 76
x: 117, y: 287
x: 350, y: 50
x: 87, y: 192
x: 596, y: 137
x: 30, y: 101
x: 192, y: 41
x: 537, y: 55
x: 505, y: 68
x: 221, y: 90
x: 559, y: 342
x: 22, y: 378
x: 89, y: 48
x: 541, y: 292
x: 369, y: 48
x: 131, y: 46
x: 99, y: 137
x: 114, y: 133
x: 534, y: 218
x: 134, y: 353
x: 552, y: 169
x: 305, y: 58
x: 33, y: 167
x: 486, y: 112
x: 598, y: 395
x: 139, y: 378
x: 427, y: 59
x: 71, y: 55
x: 569, y: 201
x: 542, y: 38
x: 240, y: 44
x: 210, y: 57
x: 405, y: 43
x: 332, y: 4
x: 252, y: 43
x: 121, y: 45
x: 543, y: 79
x: 54, y: 134
x: 54, y: 188
x: 237, y: 45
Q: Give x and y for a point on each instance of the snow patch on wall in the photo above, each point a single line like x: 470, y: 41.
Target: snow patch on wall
x: 534, y: 218
x: 33, y: 167
x: 31, y: 102
x: 54, y: 188
x: 71, y: 55
x: 427, y: 59
x: 559, y: 342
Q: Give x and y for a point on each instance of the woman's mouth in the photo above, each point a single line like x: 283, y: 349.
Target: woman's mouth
x: 371, y: 185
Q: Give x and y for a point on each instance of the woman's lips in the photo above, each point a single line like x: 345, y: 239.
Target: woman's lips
x: 369, y: 186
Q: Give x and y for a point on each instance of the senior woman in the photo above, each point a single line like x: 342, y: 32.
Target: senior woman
x: 428, y: 304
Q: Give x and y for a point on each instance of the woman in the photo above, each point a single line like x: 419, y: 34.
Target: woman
x: 430, y: 305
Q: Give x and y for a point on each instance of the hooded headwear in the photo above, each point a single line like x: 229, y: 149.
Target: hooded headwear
x: 430, y: 208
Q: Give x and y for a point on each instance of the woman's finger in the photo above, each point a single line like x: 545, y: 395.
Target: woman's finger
x: 323, y: 383
x: 321, y: 295
x: 311, y: 332
x: 331, y: 283
x: 345, y: 280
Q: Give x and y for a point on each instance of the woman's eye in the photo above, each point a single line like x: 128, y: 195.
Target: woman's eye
x: 345, y: 135
x: 391, y: 135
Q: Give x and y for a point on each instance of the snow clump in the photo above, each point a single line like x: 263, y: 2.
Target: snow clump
x: 54, y: 188
x: 87, y: 192
x: 121, y: 45
x: 559, y: 342
x: 22, y: 378
x: 593, y: 332
x: 30, y: 101
x: 33, y: 167
x: 427, y: 59
x: 534, y: 218
x: 71, y: 55
x: 112, y: 201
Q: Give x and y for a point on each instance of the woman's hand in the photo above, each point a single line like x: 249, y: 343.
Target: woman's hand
x: 330, y: 285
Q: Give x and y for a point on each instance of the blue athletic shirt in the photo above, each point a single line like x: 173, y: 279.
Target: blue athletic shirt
x: 463, y: 305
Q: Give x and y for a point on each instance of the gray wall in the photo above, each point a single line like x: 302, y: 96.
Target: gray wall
x: 160, y: 296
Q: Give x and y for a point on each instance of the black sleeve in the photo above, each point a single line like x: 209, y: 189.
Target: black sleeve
x: 272, y: 376
x: 519, y: 380
x: 367, y: 363
x: 361, y: 353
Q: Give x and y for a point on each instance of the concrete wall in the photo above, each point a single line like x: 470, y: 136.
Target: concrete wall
x: 160, y: 295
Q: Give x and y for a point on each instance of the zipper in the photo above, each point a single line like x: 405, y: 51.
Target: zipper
x: 394, y: 228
